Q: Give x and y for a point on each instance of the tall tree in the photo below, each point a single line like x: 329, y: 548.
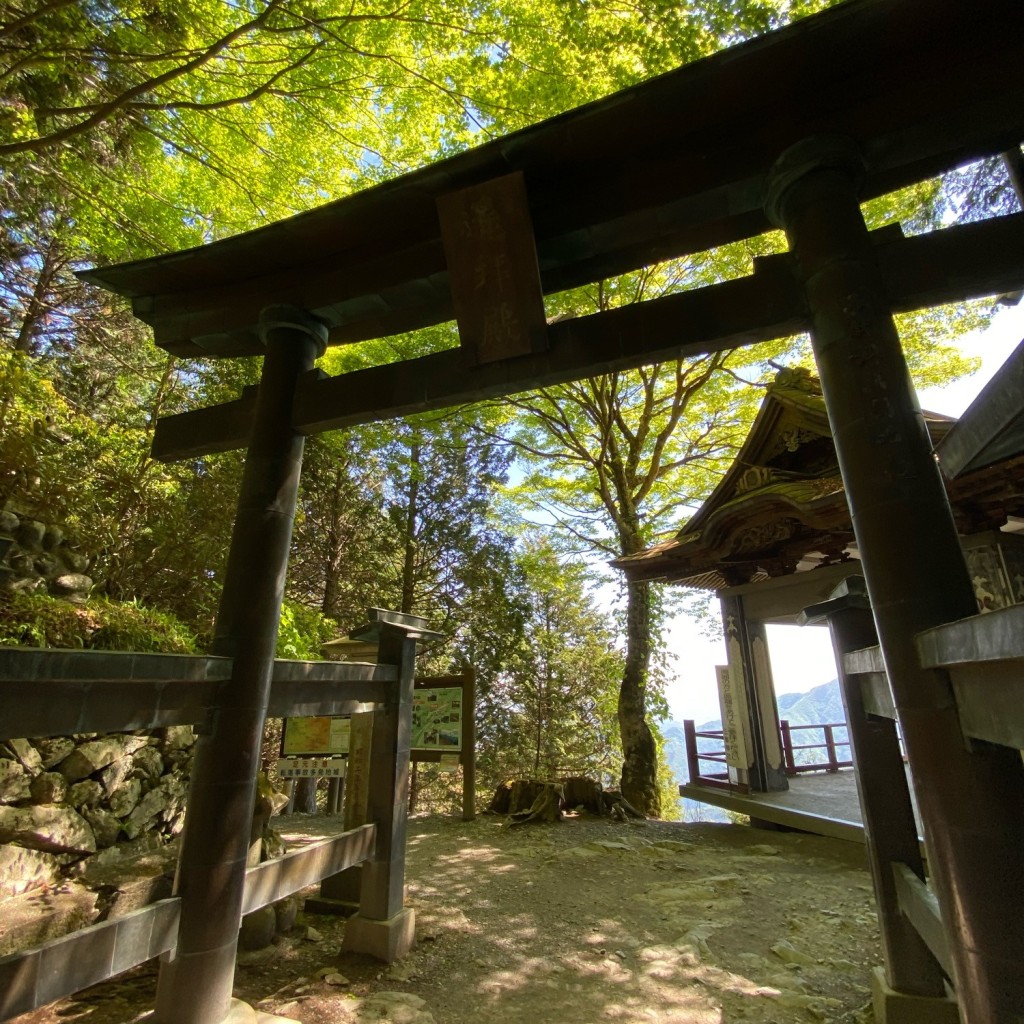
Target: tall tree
x: 343, y: 544
x: 566, y: 681
x: 615, y: 460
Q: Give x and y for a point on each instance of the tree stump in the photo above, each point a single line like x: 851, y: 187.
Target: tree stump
x: 524, y: 793
x: 580, y: 792
x: 531, y: 800
x: 502, y: 799
x: 545, y: 806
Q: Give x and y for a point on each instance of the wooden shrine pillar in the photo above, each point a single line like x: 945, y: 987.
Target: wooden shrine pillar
x: 971, y: 798
x: 384, y: 927
x: 890, y: 831
x: 747, y: 648
x: 195, y: 985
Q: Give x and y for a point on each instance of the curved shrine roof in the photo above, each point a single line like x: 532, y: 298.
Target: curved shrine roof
x: 781, y: 507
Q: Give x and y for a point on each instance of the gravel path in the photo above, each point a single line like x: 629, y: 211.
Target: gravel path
x: 577, y: 923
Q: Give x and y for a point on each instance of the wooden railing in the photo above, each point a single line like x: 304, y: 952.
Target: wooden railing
x: 717, y: 756
x: 695, y: 756
x: 832, y: 763
x: 34, y: 977
x: 53, y: 692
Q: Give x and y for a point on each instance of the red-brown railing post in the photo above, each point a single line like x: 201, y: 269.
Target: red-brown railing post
x: 830, y: 747
x: 692, y: 759
x: 787, y: 746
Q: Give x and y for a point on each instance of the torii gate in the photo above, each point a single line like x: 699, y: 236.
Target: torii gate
x: 792, y: 130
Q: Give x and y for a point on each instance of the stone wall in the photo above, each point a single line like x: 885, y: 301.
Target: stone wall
x: 40, y: 557
x: 67, y: 799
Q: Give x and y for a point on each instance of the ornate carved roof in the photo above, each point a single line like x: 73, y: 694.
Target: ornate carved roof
x: 781, y: 507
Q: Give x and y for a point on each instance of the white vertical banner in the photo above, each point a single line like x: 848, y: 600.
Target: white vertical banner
x: 735, y: 725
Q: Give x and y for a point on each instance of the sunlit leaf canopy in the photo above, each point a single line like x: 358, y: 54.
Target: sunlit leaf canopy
x: 171, y: 125
x: 664, y: 169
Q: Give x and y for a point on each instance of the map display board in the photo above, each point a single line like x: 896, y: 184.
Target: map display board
x: 436, y: 726
x: 315, y: 736
x: 437, y: 719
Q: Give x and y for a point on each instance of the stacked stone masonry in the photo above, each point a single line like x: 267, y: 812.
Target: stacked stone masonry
x: 39, y: 557
x: 68, y: 799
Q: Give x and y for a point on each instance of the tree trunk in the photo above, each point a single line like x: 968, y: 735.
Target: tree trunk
x: 37, y: 305
x: 640, y: 752
x: 305, y: 796
x: 411, y: 526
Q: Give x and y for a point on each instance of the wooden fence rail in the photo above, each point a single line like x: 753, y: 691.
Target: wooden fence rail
x: 55, y: 969
x: 830, y: 744
x: 832, y: 763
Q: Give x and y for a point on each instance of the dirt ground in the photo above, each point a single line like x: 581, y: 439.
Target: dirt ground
x: 575, y: 923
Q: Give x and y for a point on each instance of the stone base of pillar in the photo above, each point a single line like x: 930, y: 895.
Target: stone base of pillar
x: 386, y: 940
x: 892, y: 1007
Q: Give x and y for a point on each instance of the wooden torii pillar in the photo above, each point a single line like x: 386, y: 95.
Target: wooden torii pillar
x: 195, y: 984
x: 910, y: 976
x: 971, y: 798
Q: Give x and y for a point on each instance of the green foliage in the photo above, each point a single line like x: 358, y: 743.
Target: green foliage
x: 549, y: 711
x: 37, y: 620
x: 33, y: 417
x: 303, y: 632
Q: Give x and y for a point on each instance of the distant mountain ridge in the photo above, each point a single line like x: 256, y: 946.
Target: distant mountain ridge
x: 818, y: 706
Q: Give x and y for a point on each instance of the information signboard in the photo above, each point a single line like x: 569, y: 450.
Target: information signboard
x: 311, y: 737
x: 436, y: 725
x: 437, y: 719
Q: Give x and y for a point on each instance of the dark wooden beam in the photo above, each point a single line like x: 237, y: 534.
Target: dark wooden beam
x: 751, y: 309
x: 57, y: 693
x: 992, y: 428
x: 671, y: 166
x: 890, y: 830
x: 943, y: 266
x: 55, y: 969
x: 992, y: 637
x: 756, y: 308
x: 984, y: 655
x: 274, y: 879
x: 921, y: 907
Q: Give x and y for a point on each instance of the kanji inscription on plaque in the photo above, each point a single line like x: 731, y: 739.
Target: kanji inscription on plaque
x: 492, y: 265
